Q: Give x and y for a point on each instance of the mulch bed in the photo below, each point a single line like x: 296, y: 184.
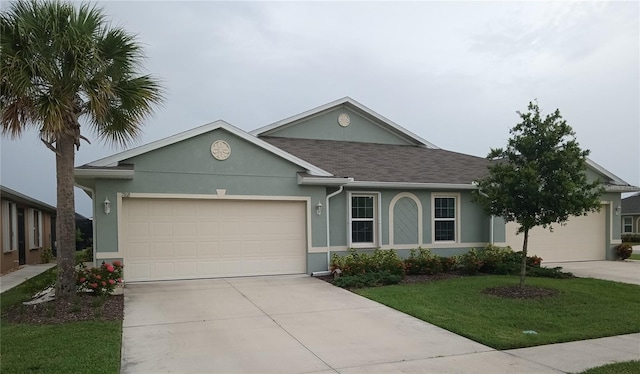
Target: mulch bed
x: 85, y: 307
x: 511, y: 292
x: 517, y: 292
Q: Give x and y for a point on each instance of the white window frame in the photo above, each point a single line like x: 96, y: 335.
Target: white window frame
x: 625, y: 224
x: 35, y: 228
x: 456, y: 219
x: 9, y: 227
x: 377, y: 230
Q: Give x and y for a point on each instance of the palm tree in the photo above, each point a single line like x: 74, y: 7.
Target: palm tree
x: 60, y: 66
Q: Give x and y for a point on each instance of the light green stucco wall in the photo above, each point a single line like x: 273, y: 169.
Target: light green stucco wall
x: 325, y: 126
x: 188, y: 167
x: 474, y: 224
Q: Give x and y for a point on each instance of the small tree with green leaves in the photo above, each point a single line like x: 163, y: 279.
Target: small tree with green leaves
x: 540, y: 178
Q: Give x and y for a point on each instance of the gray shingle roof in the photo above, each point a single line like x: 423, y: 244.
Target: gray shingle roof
x: 385, y: 162
x: 631, y: 204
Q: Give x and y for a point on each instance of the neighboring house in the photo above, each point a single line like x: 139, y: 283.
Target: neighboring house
x: 85, y: 226
x: 217, y: 201
x: 28, y: 227
x: 631, y: 214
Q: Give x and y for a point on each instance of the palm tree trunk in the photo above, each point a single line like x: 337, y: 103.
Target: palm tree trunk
x: 523, y: 264
x: 66, y: 216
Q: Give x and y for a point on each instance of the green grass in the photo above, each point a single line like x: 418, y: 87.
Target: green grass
x: 78, y: 347
x: 629, y: 367
x: 635, y: 257
x: 584, y: 309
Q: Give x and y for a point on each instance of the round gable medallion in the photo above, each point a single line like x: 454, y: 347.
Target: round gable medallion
x: 221, y: 150
x: 344, y: 120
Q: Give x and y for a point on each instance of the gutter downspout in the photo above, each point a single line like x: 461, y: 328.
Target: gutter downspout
x: 492, y: 217
x: 326, y: 211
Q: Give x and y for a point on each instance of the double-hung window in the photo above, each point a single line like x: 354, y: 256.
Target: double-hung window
x: 627, y: 224
x: 35, y: 235
x: 362, y: 220
x: 444, y: 219
x: 9, y: 227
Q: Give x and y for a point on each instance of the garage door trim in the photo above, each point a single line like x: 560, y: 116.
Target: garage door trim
x: 219, y: 196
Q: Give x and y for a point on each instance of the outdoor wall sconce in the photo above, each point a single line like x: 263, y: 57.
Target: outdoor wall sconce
x: 618, y: 210
x: 107, y: 206
x: 319, y: 208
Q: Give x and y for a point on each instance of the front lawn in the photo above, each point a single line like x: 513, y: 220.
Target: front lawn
x: 635, y: 256
x: 629, y: 367
x: 584, y: 309
x: 71, y: 347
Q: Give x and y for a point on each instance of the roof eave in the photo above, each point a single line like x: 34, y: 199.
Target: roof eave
x: 620, y: 188
x: 323, y: 181
x: 105, y: 173
x: 413, y: 185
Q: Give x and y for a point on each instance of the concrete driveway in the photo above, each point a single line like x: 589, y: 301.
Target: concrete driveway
x: 619, y: 271
x: 288, y: 324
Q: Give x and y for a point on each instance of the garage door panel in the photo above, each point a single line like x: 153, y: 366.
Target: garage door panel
x: 184, y: 239
x: 582, y: 238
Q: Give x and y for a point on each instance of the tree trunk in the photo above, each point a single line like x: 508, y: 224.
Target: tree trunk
x: 523, y: 264
x: 65, y: 216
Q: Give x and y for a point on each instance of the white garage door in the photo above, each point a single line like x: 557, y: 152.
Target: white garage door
x: 582, y: 238
x: 186, y: 239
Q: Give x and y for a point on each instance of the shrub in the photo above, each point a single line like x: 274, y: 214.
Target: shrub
x: 624, y: 251
x: 360, y: 263
x: 493, y: 256
x: 101, y: 280
x: 556, y: 272
x: 88, y: 254
x: 372, y: 279
x: 422, y: 261
x: 448, y: 264
x: 46, y: 255
x: 470, y: 262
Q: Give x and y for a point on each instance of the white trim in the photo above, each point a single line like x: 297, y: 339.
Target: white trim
x: 411, y: 185
x: 103, y: 173
x: 9, y: 226
x: 137, y: 195
x: 392, y: 205
x: 31, y: 224
x: 114, y: 159
x: 609, y: 174
x: 457, y: 218
x: 145, y: 195
x: 616, y: 241
x: 377, y: 222
x: 323, y: 181
x: 617, y: 188
x: 352, y: 104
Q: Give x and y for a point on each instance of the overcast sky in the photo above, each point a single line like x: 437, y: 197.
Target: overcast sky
x: 454, y: 73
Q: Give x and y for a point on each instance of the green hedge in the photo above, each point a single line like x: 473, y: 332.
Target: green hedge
x: 361, y: 269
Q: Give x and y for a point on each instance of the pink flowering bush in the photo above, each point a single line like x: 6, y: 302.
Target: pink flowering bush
x: 101, y: 280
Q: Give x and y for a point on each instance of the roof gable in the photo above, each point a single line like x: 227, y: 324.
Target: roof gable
x: 321, y: 123
x: 113, y: 160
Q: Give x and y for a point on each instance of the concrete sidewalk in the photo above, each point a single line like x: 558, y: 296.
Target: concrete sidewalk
x: 10, y: 280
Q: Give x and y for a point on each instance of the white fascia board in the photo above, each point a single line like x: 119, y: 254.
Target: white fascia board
x: 323, y: 181
x: 607, y: 173
x: 353, y: 103
x: 104, y: 173
x: 411, y: 185
x: 114, y: 159
x: 619, y: 188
